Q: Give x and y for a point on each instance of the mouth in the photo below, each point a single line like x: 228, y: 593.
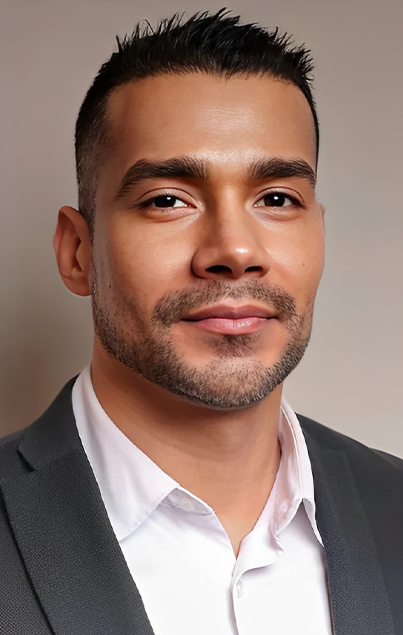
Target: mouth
x: 230, y: 320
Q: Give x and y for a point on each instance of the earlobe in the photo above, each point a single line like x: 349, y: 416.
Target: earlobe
x: 72, y: 245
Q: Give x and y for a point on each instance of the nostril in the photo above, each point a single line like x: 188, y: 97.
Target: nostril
x: 219, y: 269
x: 253, y: 269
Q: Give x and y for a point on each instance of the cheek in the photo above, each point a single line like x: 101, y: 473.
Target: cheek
x: 143, y: 261
x: 300, y: 260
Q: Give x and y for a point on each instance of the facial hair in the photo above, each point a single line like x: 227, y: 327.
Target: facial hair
x: 233, y: 379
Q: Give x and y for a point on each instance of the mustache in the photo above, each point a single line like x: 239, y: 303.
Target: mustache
x: 173, y: 306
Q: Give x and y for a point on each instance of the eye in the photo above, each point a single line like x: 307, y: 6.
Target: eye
x: 165, y: 201
x: 277, y: 199
x: 165, y: 205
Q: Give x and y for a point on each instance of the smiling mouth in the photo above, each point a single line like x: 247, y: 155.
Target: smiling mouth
x: 227, y: 320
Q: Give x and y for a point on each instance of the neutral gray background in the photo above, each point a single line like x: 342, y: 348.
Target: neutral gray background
x: 50, y: 51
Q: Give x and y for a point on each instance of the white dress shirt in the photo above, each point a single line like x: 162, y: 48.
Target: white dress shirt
x: 179, y: 554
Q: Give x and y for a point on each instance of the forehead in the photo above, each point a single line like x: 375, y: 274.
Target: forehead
x: 225, y: 121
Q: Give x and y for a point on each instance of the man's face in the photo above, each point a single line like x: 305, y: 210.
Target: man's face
x: 208, y: 243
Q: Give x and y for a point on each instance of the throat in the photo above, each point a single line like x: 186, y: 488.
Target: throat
x: 239, y: 497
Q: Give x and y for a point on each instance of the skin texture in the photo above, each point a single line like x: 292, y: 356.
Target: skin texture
x: 224, y: 241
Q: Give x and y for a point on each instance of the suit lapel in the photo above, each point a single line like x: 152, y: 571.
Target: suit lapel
x: 79, y: 573
x: 358, y: 598
x: 66, y: 541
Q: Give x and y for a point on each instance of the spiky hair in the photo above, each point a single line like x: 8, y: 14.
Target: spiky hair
x: 217, y: 44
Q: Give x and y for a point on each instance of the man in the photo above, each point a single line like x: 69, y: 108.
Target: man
x: 170, y: 489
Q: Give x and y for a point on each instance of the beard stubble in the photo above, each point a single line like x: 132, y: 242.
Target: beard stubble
x: 232, y: 379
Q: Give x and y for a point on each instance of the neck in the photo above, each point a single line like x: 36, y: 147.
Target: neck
x: 229, y: 458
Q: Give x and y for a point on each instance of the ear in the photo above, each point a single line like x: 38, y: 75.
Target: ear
x: 72, y: 245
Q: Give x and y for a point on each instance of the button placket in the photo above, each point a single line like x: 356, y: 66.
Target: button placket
x: 239, y: 589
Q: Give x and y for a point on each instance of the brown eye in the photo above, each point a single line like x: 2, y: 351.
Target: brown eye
x: 167, y: 201
x: 277, y: 199
x: 163, y: 202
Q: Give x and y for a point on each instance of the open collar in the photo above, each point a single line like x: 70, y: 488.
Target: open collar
x: 131, y: 484
x: 78, y: 570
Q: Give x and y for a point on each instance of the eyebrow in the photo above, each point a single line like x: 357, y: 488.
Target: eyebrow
x: 276, y: 167
x: 192, y: 168
x: 179, y: 167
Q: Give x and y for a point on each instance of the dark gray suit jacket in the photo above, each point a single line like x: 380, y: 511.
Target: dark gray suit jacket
x: 62, y: 570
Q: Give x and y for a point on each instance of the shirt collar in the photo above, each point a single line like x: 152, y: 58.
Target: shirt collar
x: 132, y: 485
x: 295, y: 480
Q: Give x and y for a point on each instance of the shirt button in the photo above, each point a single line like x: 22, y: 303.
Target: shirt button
x: 239, y: 588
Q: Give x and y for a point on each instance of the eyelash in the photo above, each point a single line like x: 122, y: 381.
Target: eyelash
x: 150, y: 201
x: 295, y: 202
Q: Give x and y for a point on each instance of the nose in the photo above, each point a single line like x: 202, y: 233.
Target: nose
x: 231, y: 246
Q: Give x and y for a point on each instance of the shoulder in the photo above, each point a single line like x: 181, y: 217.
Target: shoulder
x: 52, y: 434
x: 10, y: 462
x: 320, y: 438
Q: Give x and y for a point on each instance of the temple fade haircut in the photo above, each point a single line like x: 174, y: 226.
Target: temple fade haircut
x: 214, y: 44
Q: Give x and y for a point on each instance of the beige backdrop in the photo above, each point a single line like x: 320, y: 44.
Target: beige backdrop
x: 50, y: 51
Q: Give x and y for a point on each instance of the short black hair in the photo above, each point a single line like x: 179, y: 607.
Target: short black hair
x: 216, y: 44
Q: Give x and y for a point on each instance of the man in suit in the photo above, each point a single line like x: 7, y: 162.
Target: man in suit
x: 170, y: 489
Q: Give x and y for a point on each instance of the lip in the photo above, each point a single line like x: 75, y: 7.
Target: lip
x: 230, y: 313
x: 230, y: 320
